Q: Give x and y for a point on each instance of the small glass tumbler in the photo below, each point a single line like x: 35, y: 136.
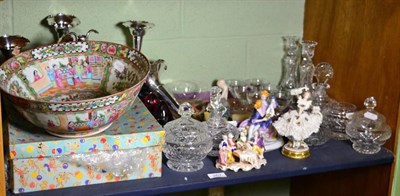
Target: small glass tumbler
x: 335, y: 118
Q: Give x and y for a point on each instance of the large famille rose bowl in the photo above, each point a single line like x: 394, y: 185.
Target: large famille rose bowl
x: 74, y: 89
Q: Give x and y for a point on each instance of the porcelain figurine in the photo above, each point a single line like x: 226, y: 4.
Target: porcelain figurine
x: 241, y: 154
x: 299, y: 124
x: 261, y: 120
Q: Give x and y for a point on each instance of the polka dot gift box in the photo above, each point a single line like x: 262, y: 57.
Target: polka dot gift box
x: 39, y: 161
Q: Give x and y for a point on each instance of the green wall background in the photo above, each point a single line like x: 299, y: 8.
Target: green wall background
x: 200, y: 40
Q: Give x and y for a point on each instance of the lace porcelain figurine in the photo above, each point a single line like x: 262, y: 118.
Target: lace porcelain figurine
x: 299, y: 124
x: 261, y: 120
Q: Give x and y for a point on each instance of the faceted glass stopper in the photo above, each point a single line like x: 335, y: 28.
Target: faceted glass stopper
x: 323, y: 72
x: 370, y: 103
x: 185, y: 110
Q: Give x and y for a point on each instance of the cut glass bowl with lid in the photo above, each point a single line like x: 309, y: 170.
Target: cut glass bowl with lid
x: 367, y: 129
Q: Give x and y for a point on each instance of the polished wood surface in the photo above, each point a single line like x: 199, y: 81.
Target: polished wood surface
x: 2, y: 172
x: 359, y: 181
x: 361, y: 39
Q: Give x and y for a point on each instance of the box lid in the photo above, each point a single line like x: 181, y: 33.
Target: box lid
x: 135, y: 128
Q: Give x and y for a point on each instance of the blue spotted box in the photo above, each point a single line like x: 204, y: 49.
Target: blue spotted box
x: 39, y: 161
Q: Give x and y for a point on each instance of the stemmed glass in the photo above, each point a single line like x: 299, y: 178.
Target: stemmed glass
x: 238, y: 90
x: 254, y: 86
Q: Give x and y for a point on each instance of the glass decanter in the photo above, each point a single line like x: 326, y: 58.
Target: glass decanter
x: 367, y: 129
x: 187, y: 141
x: 322, y: 73
x: 217, y: 125
x: 306, y: 67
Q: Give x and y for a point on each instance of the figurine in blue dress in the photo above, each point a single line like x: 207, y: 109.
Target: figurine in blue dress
x: 261, y: 120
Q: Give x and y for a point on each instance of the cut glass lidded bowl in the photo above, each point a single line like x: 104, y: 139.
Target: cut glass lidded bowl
x: 367, y: 129
x: 187, y: 141
x: 74, y: 89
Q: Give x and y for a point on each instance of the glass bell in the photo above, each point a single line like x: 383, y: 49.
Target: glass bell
x: 367, y: 129
x: 187, y: 141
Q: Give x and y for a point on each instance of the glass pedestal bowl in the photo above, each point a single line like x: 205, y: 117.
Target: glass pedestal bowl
x: 367, y: 129
x: 74, y: 89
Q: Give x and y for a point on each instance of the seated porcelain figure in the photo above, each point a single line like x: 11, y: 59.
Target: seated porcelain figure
x: 261, y: 120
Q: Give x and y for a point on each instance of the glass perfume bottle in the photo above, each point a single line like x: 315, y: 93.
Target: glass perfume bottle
x: 217, y: 124
x: 367, y: 129
x: 187, y: 141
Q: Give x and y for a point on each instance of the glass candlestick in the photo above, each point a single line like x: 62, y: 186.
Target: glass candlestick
x: 10, y: 45
x: 290, y: 62
x: 306, y: 67
x: 290, y: 73
x: 291, y: 45
x: 62, y: 23
x: 138, y: 30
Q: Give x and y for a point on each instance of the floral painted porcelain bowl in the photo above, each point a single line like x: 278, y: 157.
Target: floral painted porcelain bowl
x: 74, y: 89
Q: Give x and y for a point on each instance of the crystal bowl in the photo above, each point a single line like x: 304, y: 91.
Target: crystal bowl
x: 74, y: 89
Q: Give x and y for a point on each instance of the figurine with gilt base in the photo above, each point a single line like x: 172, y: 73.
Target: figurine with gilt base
x: 261, y: 120
x: 241, y: 154
x: 299, y: 124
